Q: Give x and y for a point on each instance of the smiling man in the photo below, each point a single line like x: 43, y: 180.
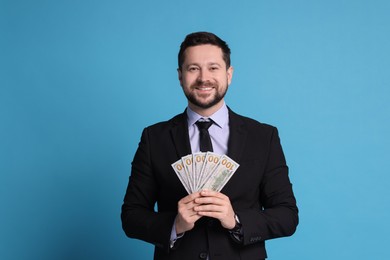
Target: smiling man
x: 255, y: 205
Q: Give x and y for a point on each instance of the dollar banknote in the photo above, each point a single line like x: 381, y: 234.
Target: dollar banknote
x: 178, y: 167
x: 211, y: 161
x: 188, y: 167
x: 200, y: 171
x: 198, y: 160
x: 221, y: 174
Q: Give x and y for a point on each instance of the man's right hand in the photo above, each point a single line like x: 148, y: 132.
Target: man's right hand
x: 187, y: 216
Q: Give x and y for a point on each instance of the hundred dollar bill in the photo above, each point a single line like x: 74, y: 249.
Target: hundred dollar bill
x: 221, y: 174
x: 188, y: 167
x: 211, y: 161
x: 198, y: 160
x: 178, y: 167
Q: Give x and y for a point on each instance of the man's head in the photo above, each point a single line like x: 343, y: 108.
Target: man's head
x: 204, y: 71
x: 201, y: 38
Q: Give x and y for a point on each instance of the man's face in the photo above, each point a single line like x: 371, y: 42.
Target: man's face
x: 204, y: 76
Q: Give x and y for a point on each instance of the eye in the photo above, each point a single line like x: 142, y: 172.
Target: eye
x: 214, y: 68
x: 193, y: 68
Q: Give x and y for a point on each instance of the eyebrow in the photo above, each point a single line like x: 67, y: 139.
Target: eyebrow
x: 214, y: 63
x: 208, y: 64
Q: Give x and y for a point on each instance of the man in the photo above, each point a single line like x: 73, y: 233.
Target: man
x: 256, y: 204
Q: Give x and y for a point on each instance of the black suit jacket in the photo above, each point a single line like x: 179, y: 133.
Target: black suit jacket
x: 260, y: 192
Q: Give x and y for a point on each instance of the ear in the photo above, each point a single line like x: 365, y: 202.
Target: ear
x: 179, y: 74
x: 229, y: 74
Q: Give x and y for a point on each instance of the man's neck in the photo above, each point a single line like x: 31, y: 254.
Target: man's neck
x: 206, y: 112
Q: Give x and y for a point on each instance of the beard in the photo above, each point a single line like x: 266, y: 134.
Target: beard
x: 197, y: 101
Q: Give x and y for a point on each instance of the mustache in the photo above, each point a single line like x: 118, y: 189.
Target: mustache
x: 201, y: 83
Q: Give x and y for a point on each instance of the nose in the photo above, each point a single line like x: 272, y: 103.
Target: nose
x: 204, y: 75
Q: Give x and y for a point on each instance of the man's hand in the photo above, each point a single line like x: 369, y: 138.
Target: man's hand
x: 215, y: 205
x: 187, y: 216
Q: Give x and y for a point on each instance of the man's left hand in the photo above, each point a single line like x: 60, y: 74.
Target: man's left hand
x: 216, y: 205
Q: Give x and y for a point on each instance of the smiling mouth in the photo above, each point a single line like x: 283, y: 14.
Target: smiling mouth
x: 204, y: 88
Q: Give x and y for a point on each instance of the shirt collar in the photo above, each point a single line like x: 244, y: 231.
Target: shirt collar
x: 220, y: 117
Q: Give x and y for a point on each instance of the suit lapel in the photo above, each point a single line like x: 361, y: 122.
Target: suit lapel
x: 238, y: 136
x: 179, y: 135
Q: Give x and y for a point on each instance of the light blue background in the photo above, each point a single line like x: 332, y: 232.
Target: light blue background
x: 80, y: 79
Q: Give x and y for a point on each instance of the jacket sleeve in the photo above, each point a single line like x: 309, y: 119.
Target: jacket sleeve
x: 139, y: 219
x: 278, y: 215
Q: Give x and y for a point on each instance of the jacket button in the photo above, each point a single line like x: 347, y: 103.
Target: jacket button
x: 203, y: 255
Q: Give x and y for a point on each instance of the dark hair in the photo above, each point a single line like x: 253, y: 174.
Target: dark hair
x: 200, y: 38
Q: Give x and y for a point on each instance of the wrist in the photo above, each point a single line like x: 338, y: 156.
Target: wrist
x: 237, y: 225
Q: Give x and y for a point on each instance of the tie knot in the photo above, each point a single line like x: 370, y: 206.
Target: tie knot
x: 203, y: 125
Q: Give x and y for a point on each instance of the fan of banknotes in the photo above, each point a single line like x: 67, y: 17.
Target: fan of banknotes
x: 199, y: 171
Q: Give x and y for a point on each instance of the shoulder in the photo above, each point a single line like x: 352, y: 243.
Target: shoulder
x: 249, y: 123
x: 178, y: 119
x: 260, y: 134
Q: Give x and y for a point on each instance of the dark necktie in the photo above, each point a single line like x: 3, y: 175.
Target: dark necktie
x: 204, y: 136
